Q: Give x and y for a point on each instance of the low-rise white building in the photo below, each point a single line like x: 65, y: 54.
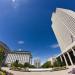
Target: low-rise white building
x: 21, y: 56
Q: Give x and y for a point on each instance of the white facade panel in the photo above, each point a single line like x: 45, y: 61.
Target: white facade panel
x: 63, y: 25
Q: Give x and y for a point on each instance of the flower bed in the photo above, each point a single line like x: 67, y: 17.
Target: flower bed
x: 2, y: 72
x: 20, y: 69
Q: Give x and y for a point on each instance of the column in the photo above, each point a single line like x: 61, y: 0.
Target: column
x: 70, y: 58
x: 65, y: 60
x: 73, y: 51
x: 61, y: 58
x: 30, y: 58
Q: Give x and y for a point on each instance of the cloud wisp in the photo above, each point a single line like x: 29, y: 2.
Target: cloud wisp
x: 54, y: 46
x: 20, y: 42
x: 13, y: 1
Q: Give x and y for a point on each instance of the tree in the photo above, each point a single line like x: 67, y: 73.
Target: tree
x: 1, y: 56
x: 15, y: 64
x: 58, y: 63
x: 31, y: 66
x: 47, y: 65
x: 26, y: 65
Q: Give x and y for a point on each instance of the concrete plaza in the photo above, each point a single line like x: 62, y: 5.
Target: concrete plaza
x: 63, y: 72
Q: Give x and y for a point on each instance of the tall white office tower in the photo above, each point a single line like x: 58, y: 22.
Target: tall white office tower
x: 37, y: 62
x: 63, y: 25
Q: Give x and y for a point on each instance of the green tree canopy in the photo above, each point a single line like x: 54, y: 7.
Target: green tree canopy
x: 47, y: 65
x: 1, y: 53
x: 58, y: 63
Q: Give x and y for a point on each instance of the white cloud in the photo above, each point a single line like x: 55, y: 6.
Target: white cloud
x: 13, y: 1
x: 20, y: 42
x: 55, y: 46
x: 19, y: 49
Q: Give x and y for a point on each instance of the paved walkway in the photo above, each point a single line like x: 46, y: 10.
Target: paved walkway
x: 63, y: 72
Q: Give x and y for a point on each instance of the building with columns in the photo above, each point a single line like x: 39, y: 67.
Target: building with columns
x: 63, y: 25
x: 21, y: 56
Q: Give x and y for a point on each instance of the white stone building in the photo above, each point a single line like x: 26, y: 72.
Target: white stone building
x: 21, y: 56
x: 63, y: 25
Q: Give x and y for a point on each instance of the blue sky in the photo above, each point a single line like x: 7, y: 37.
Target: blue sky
x: 26, y: 24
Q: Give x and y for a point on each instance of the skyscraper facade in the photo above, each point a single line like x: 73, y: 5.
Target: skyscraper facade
x: 63, y: 25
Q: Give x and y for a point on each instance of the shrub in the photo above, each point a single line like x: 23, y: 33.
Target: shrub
x: 20, y: 65
x: 26, y: 65
x: 31, y: 66
x: 3, y: 72
x: 58, y: 64
x: 15, y: 64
